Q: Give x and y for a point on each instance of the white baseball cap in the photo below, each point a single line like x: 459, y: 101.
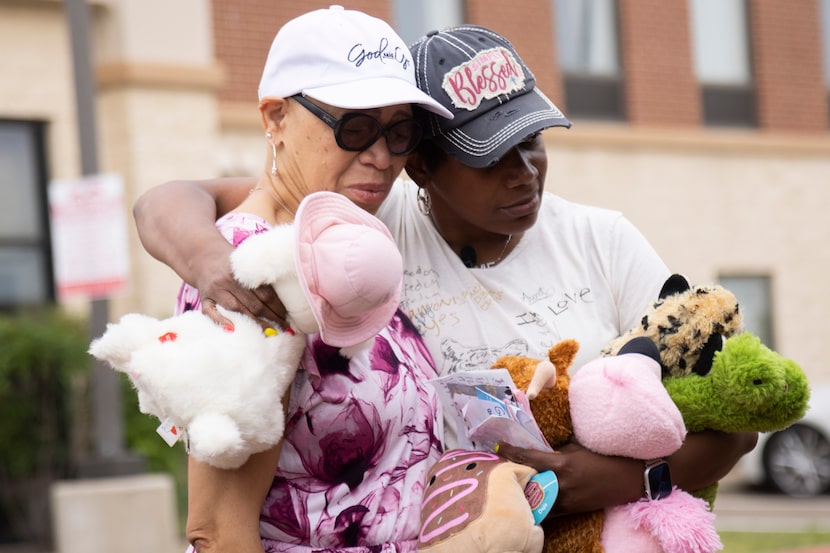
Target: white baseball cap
x: 344, y: 58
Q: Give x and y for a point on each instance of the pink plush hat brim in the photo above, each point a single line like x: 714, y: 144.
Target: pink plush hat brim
x: 380, y: 264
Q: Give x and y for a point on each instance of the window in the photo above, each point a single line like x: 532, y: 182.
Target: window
x: 720, y: 48
x: 414, y: 19
x: 754, y: 297
x: 586, y: 39
x: 25, y: 261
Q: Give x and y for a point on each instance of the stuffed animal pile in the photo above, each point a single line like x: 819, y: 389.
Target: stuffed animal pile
x: 716, y: 377
x: 616, y: 406
x: 220, y: 390
x: 475, y: 502
x: 719, y: 377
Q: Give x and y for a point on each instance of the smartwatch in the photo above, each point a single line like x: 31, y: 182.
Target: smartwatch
x: 657, y: 479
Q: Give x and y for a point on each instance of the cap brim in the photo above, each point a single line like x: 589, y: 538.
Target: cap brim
x: 317, y: 212
x: 483, y: 140
x: 375, y: 93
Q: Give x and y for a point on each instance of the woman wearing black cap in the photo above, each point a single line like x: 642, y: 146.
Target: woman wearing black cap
x: 493, y: 265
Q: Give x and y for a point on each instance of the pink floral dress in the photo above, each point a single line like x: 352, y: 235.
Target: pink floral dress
x: 360, y: 435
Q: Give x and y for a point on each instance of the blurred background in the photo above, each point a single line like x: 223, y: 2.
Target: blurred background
x: 707, y: 122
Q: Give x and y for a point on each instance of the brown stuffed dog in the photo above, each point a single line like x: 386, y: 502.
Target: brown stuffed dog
x: 578, y: 533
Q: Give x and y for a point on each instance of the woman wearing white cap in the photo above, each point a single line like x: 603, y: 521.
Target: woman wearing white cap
x: 336, y: 98
x: 493, y: 265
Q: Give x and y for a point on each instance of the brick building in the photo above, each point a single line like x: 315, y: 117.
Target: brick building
x: 705, y: 121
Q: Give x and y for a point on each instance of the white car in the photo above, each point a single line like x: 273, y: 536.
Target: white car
x: 795, y: 461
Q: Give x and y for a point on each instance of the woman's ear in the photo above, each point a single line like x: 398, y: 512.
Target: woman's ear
x: 416, y: 169
x: 272, y: 111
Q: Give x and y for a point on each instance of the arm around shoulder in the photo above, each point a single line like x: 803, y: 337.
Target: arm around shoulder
x: 176, y: 225
x: 175, y: 220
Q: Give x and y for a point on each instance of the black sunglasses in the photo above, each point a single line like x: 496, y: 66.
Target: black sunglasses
x: 355, y: 131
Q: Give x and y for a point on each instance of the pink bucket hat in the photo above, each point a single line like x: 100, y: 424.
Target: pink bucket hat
x: 349, y: 268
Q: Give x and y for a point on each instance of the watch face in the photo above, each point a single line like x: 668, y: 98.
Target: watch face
x: 658, y: 481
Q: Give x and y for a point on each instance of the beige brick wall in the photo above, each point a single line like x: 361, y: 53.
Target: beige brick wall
x: 718, y: 203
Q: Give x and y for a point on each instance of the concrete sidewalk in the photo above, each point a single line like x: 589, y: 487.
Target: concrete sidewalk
x: 745, y: 511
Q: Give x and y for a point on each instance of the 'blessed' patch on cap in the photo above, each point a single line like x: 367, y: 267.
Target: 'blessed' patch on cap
x: 489, y: 74
x: 478, y: 76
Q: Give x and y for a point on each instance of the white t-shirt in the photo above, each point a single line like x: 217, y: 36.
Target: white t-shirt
x: 580, y: 272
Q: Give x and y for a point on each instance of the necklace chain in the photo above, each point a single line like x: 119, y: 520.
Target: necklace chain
x: 270, y: 191
x: 501, y: 255
x: 483, y: 265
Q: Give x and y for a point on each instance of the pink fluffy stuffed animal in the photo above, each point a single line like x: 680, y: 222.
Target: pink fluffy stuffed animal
x: 620, y: 407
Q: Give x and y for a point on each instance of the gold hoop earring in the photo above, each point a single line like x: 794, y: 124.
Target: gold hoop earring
x: 424, y: 201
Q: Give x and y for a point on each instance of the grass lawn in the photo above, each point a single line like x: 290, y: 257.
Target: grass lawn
x: 757, y: 542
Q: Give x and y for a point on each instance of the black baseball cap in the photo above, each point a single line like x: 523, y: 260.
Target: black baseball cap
x: 477, y: 75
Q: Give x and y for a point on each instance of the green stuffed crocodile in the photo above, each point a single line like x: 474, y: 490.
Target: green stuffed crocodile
x: 750, y: 388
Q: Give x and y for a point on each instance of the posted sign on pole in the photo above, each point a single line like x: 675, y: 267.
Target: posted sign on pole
x: 89, y: 236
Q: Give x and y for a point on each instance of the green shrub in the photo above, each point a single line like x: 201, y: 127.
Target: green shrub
x: 45, y: 420
x: 44, y: 377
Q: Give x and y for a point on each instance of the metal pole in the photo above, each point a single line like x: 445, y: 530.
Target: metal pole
x: 110, y: 458
x: 77, y: 14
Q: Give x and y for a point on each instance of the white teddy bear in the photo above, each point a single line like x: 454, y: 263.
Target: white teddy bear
x: 221, y: 390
